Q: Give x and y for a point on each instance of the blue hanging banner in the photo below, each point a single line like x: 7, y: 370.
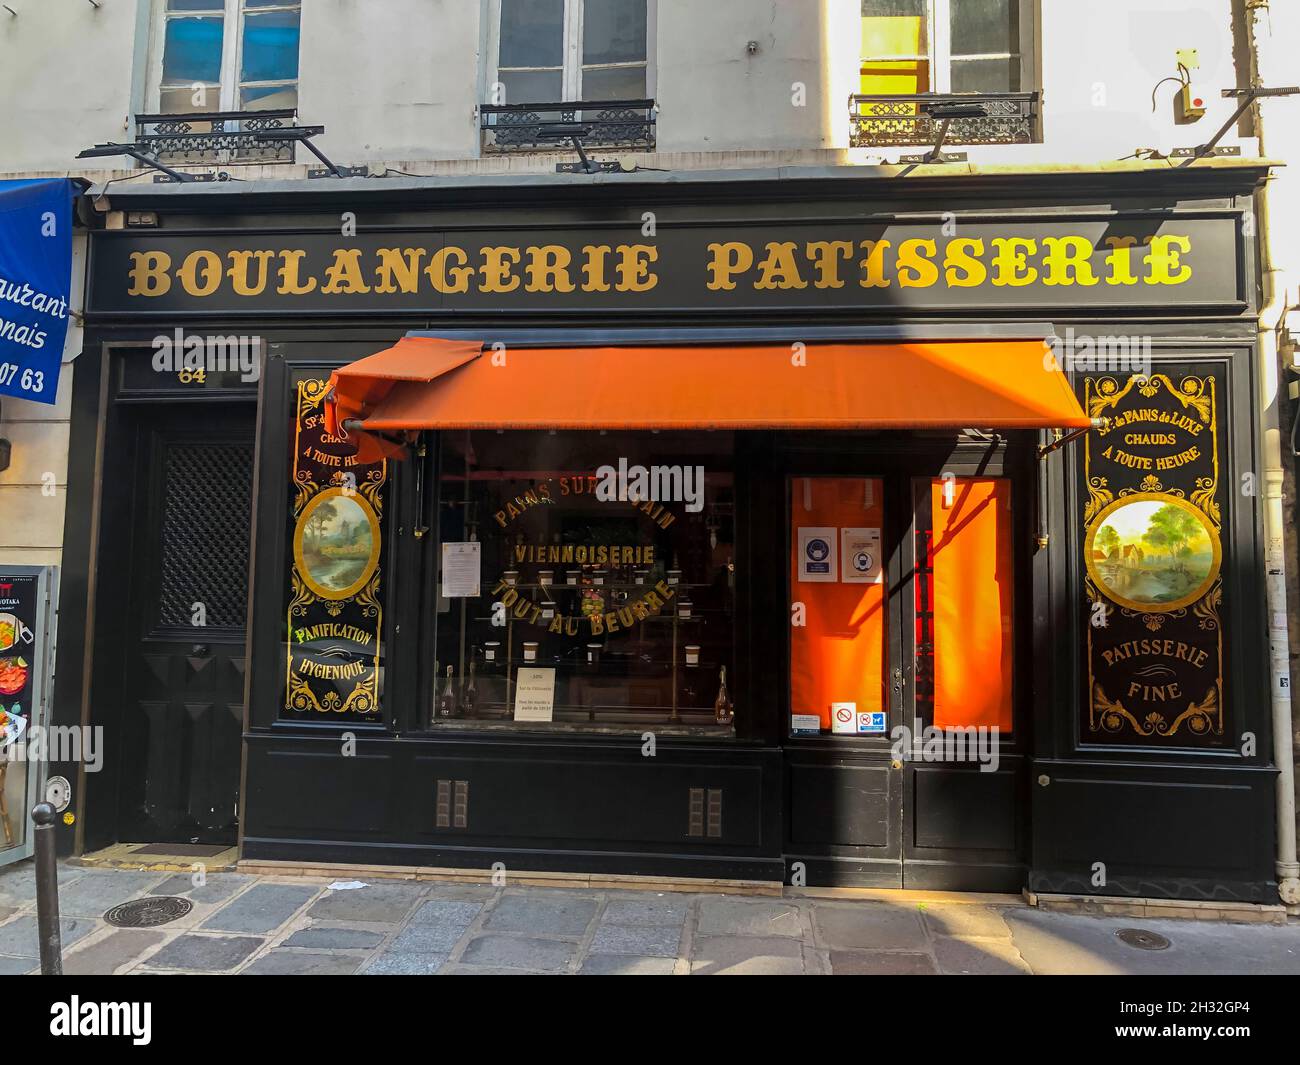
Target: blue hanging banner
x: 35, y: 282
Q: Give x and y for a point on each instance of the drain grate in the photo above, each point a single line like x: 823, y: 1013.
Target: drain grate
x: 148, y: 913
x: 1142, y: 938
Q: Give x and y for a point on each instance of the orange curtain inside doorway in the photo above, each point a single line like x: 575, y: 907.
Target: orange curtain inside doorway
x: 838, y: 654
x: 971, y: 595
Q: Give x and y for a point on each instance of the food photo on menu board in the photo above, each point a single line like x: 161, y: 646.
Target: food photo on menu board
x: 16, y: 640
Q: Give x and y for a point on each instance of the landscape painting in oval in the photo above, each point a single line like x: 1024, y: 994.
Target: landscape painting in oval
x: 1153, y: 552
x: 336, y: 544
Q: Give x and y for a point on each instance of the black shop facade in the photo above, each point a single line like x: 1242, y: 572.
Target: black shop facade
x: 829, y: 531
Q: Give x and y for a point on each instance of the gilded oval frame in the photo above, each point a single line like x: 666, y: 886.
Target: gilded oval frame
x: 299, y: 557
x: 1216, y: 553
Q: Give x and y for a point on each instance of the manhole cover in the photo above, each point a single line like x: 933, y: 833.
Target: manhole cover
x: 1143, y: 939
x: 148, y: 913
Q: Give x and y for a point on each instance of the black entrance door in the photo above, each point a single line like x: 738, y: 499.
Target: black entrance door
x: 908, y: 597
x: 183, y: 684
x: 963, y: 602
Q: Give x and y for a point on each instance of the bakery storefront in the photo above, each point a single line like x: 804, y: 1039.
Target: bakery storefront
x: 831, y: 531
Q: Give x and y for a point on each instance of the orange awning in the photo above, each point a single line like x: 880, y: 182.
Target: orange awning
x: 428, y: 383
x: 357, y: 388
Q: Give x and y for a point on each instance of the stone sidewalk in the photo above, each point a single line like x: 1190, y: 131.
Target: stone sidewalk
x: 297, y: 925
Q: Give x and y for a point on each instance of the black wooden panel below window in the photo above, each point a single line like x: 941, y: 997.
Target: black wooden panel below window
x: 845, y: 806
x: 963, y: 809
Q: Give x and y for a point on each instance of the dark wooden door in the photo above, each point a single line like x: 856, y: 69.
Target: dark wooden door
x: 183, y: 684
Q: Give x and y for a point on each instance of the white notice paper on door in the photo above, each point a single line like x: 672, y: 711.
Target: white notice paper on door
x: 461, y: 566
x: 817, y: 554
x: 860, y: 556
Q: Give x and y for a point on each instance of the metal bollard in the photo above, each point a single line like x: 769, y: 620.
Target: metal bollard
x: 47, y: 890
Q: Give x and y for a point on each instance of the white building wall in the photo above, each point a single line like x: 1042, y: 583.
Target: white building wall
x: 1101, y: 62
x: 397, y: 81
x: 66, y: 80
x: 395, y: 88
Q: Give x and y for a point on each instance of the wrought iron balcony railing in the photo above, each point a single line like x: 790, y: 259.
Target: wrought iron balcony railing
x: 216, y: 137
x: 887, y: 121
x: 539, y: 127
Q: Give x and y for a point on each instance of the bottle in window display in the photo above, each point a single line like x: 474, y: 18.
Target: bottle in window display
x: 447, y: 701
x: 470, y: 701
x: 723, y: 712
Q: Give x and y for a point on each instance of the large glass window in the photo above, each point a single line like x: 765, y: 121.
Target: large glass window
x: 554, y: 50
x: 228, y: 55
x: 586, y: 582
x: 838, y: 633
x: 964, y: 590
x: 918, y: 46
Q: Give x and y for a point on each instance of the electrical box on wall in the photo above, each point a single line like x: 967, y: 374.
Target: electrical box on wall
x: 1191, y: 99
x: 1193, y: 102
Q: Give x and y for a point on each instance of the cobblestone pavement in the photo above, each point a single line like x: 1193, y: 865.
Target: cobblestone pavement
x: 264, y: 924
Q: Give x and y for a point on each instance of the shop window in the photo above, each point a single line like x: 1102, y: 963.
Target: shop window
x: 228, y: 55
x: 964, y: 587
x: 553, y: 50
x: 586, y: 581
x: 921, y: 46
x: 838, y: 614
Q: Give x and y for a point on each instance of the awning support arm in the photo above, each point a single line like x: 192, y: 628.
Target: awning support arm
x: 1046, y: 449
x: 353, y: 425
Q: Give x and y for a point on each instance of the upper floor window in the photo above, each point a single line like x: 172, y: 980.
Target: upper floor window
x: 944, y: 46
x: 228, y: 55
x: 554, y: 50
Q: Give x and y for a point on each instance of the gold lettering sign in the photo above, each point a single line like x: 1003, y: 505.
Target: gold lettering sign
x: 1069, y: 260
x: 334, y: 615
x: 525, y: 609
x: 1153, y: 558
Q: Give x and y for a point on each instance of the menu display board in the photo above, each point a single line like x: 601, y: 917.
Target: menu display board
x: 26, y: 649
x: 19, y: 599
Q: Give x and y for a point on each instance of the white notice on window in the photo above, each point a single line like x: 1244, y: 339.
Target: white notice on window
x: 535, y: 694
x: 461, y: 565
x: 860, y: 556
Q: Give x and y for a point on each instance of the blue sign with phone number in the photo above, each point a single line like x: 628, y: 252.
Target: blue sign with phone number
x: 35, y: 282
